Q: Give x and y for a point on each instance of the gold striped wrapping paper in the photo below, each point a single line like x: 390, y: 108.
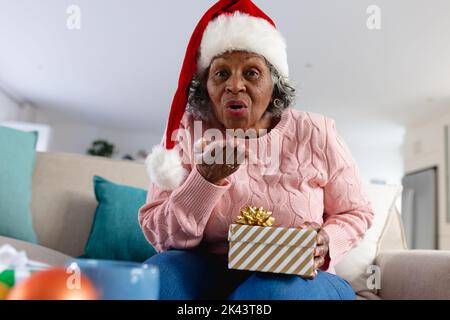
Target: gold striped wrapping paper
x: 270, y: 249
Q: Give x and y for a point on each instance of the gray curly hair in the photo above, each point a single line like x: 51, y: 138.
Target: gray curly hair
x: 199, y: 106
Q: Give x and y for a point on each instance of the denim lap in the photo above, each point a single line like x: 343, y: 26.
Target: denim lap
x: 271, y: 286
x: 196, y: 274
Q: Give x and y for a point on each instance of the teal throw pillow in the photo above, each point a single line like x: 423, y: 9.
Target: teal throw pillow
x: 17, y: 160
x: 115, y: 232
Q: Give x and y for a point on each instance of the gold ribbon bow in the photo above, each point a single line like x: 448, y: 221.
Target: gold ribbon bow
x: 255, y: 217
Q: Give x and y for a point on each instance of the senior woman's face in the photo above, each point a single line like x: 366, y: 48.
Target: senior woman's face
x: 240, y: 88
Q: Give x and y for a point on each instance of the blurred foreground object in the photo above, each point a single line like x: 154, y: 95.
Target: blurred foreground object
x: 119, y: 280
x: 15, y: 265
x: 3, y: 291
x: 54, y: 284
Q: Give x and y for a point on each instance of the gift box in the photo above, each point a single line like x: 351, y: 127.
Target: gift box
x: 271, y: 249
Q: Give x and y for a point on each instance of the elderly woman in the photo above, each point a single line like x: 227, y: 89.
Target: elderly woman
x: 235, y: 79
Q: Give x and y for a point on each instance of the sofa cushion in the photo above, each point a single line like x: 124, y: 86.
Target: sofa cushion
x: 63, y: 193
x: 354, y: 266
x: 115, y: 233
x: 17, y: 162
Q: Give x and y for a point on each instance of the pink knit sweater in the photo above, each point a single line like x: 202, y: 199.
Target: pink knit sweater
x: 317, y: 180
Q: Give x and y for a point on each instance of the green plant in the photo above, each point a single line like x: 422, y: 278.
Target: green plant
x: 101, y: 148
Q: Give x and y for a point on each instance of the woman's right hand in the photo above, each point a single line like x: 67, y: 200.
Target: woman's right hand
x: 219, y: 159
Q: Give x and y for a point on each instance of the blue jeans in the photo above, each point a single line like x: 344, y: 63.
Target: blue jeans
x: 196, y: 274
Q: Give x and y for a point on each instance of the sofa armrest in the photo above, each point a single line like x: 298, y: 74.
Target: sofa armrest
x: 414, y: 274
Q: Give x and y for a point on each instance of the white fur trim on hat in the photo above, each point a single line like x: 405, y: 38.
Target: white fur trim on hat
x: 165, y: 169
x: 242, y: 32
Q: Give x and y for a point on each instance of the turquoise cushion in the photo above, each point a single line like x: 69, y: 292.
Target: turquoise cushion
x: 115, y: 233
x: 17, y: 158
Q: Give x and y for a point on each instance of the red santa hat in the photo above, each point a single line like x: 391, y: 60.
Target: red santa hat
x: 229, y: 25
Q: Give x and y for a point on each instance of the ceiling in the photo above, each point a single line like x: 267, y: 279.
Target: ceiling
x: 121, y: 68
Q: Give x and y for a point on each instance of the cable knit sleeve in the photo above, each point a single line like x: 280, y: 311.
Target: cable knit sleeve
x: 176, y: 219
x: 348, y: 212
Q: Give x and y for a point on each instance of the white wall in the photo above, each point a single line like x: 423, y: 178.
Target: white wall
x: 9, y: 110
x: 76, y: 136
x: 376, y: 144
x: 382, y: 163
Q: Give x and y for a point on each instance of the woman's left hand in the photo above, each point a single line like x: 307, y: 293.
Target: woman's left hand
x: 321, y: 250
